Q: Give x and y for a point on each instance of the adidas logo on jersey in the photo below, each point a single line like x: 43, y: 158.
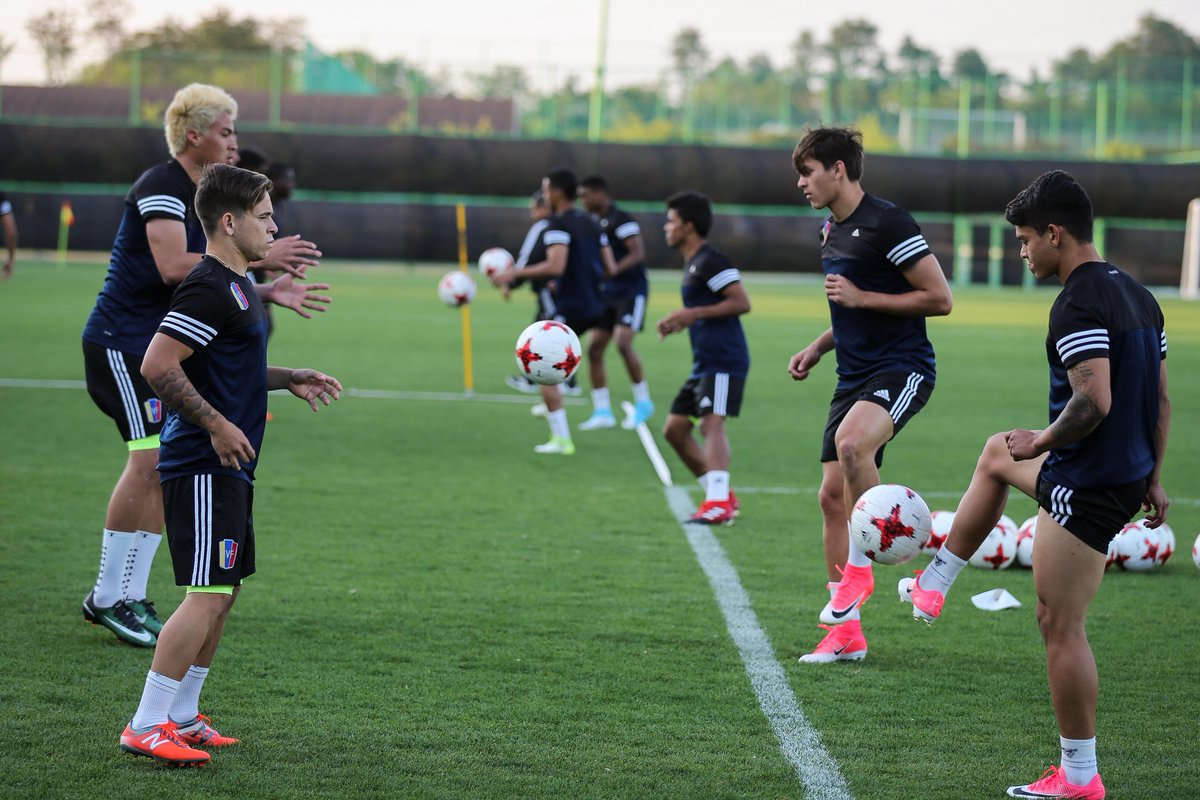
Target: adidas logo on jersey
x: 884, y: 394
x: 855, y: 234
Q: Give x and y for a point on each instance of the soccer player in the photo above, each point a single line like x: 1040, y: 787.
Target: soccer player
x: 577, y: 258
x: 882, y: 281
x: 158, y: 242
x: 1090, y: 469
x: 713, y: 301
x: 625, y: 296
x: 10, y: 236
x: 217, y: 404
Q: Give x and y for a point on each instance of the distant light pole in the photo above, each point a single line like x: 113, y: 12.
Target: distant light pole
x: 596, y: 106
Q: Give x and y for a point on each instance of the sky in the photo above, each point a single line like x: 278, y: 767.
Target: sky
x: 556, y: 38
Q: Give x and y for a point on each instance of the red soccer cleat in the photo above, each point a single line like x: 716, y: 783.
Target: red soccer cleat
x: 162, y: 743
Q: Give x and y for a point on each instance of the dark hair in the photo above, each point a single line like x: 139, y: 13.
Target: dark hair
x: 693, y: 207
x: 276, y: 169
x: 1055, y: 198
x: 829, y: 146
x: 564, y: 181
x: 596, y: 182
x: 226, y: 189
x: 253, y: 159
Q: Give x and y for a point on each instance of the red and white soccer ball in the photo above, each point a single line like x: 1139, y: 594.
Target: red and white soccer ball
x: 1196, y: 551
x: 548, y: 352
x: 456, y: 289
x: 1025, y: 535
x: 494, y: 261
x: 999, y: 549
x: 939, y: 529
x: 890, y: 523
x: 1166, y: 547
x: 1137, y: 547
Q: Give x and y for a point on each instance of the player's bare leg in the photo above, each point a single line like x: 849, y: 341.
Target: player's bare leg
x: 978, y: 512
x: 677, y: 430
x: 602, y: 414
x: 643, y: 406
x: 865, y: 428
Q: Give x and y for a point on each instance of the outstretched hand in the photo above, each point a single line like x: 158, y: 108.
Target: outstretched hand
x: 312, y: 386
x: 292, y: 255
x: 286, y: 292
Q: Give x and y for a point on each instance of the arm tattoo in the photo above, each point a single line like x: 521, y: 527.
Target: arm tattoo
x: 1081, y: 415
x: 174, y: 388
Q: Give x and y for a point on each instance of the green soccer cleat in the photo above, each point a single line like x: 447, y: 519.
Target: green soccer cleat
x: 121, y: 620
x: 147, y: 615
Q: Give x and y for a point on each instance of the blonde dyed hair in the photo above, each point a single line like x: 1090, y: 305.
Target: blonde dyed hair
x: 194, y: 109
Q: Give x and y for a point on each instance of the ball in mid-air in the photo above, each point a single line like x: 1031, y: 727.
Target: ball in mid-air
x: 548, y: 352
x: 890, y: 523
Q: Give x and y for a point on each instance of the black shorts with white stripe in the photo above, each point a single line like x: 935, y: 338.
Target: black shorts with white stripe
x: 712, y: 393
x: 628, y: 310
x: 210, y: 529
x: 901, y: 394
x: 115, y: 382
x: 1093, y: 516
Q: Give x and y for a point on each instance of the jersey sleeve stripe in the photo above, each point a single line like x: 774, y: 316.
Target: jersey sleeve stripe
x: 1099, y: 344
x: 557, y: 237
x: 903, y: 252
x: 1071, y: 338
x: 604, y: 242
x: 915, y: 241
x: 162, y: 202
x: 723, y: 278
x: 630, y: 228
x: 1163, y: 342
x: 193, y: 329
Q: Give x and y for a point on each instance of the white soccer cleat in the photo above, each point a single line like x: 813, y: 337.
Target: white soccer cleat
x: 598, y: 420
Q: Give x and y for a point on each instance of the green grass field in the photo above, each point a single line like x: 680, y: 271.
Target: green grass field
x: 440, y: 613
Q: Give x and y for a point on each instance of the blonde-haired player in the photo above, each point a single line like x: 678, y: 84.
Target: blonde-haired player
x: 157, y: 244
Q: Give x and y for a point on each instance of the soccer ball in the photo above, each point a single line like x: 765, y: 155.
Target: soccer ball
x: 548, y: 352
x: 495, y: 260
x: 456, y: 289
x: 939, y: 529
x: 1167, y: 546
x: 890, y: 523
x: 1196, y: 551
x: 1137, y: 547
x: 999, y: 549
x: 1025, y: 535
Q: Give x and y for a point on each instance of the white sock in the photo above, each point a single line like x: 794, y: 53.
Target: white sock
x: 157, y: 697
x: 114, y: 571
x: 186, y: 705
x: 1079, y: 759
x: 141, y: 553
x: 600, y: 401
x: 716, y: 487
x: 558, y: 423
x: 855, y: 556
x: 641, y: 392
x: 941, y: 572
x: 703, y: 481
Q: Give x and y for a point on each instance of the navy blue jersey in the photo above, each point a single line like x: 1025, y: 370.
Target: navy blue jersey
x: 134, y: 297
x: 718, y: 344
x: 620, y: 227
x: 533, y: 251
x: 577, y: 294
x: 1103, y: 313
x: 872, y: 247
x: 217, y: 313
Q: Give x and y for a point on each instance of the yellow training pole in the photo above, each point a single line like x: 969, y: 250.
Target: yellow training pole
x: 468, y: 376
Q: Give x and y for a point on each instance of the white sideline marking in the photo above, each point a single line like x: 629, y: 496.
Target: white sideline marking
x: 798, y: 739
x: 650, y: 446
